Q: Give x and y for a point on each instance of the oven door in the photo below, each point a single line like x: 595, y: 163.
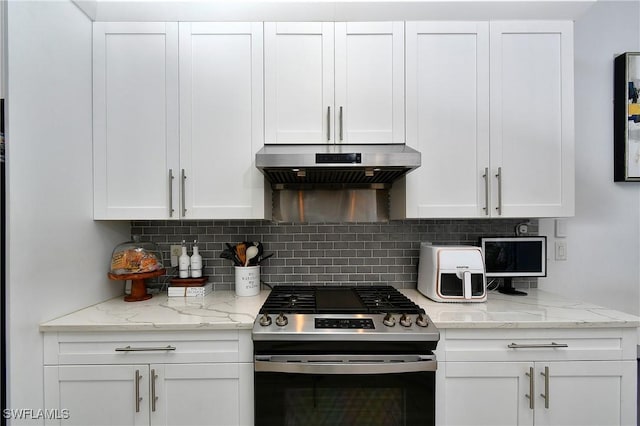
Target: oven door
x: 348, y: 390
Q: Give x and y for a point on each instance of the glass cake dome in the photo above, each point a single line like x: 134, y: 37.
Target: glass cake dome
x: 136, y: 257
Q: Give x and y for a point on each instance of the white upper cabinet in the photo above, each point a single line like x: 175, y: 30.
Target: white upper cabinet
x: 298, y: 74
x: 180, y: 111
x: 448, y: 117
x: 532, y: 126
x: 334, y: 83
x: 369, y: 82
x: 490, y: 107
x: 221, y: 120
x: 135, y: 112
x: 178, y: 147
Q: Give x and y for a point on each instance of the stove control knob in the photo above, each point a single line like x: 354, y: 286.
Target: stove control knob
x: 421, y: 321
x: 389, y: 320
x: 282, y: 320
x: 405, y: 321
x: 265, y: 320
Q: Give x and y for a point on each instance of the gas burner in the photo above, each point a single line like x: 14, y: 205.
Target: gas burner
x: 290, y: 299
x: 334, y: 299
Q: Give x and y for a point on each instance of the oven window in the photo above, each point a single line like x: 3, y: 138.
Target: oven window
x: 316, y: 406
x: 345, y: 400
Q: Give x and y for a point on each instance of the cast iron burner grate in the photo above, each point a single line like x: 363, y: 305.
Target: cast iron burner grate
x: 379, y: 300
x: 289, y: 299
x: 334, y: 299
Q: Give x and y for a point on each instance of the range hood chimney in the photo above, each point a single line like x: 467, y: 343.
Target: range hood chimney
x: 295, y: 166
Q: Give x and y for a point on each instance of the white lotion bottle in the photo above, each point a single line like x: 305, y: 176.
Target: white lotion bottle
x: 183, y: 263
x: 196, y: 262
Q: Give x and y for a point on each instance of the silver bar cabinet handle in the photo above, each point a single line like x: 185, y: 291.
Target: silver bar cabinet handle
x: 328, y: 123
x: 340, y: 124
x: 499, y: 176
x: 151, y: 348
x: 537, y: 346
x: 138, y: 397
x: 171, y: 210
x: 545, y: 395
x: 532, y: 403
x: 486, y: 191
x: 154, y: 398
x: 184, y: 208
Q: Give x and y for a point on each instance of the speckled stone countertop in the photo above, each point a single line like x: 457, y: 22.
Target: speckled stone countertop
x: 222, y: 310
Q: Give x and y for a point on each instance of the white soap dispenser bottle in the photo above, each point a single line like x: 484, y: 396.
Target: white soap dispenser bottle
x: 183, y: 262
x: 196, y: 261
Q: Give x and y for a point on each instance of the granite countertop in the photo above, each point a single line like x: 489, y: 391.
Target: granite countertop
x: 224, y: 310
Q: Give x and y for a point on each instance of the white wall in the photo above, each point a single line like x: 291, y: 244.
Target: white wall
x: 603, y: 240
x: 58, y: 256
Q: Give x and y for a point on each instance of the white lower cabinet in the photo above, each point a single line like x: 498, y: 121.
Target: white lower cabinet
x: 538, y: 377
x: 587, y: 393
x: 96, y: 394
x: 203, y: 394
x: 580, y: 393
x: 143, y: 391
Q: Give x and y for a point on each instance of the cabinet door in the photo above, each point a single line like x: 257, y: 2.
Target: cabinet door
x: 586, y: 393
x: 448, y: 118
x: 98, y: 394
x: 369, y: 82
x: 135, y: 112
x: 221, y: 120
x: 299, y: 82
x: 532, y: 139
x: 203, y: 394
x: 487, y: 393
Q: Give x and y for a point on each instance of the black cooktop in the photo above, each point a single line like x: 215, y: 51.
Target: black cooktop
x: 339, y: 300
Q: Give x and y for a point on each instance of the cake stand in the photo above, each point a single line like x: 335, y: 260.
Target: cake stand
x: 138, y: 287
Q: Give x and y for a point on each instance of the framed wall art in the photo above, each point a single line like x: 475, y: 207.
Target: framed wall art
x: 626, y: 117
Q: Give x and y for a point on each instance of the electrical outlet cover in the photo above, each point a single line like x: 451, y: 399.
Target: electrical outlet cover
x: 176, y: 250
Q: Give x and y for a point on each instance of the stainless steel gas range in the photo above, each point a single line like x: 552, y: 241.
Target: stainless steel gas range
x: 343, y: 356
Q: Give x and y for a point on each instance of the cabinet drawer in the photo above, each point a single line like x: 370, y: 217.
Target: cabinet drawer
x: 539, y: 344
x: 147, y: 347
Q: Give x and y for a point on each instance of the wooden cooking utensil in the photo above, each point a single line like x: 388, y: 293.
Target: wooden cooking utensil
x: 252, y: 252
x: 241, y: 250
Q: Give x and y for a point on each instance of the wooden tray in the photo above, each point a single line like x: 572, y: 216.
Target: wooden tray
x: 189, y: 282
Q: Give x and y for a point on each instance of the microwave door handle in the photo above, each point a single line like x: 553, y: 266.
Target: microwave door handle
x: 466, y: 280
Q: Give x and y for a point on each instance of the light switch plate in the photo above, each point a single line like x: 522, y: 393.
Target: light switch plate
x: 561, y: 250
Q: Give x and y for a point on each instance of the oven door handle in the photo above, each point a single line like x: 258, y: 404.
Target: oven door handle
x: 345, y: 364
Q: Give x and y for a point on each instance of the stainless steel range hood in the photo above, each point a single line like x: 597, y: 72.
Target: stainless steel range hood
x: 289, y: 166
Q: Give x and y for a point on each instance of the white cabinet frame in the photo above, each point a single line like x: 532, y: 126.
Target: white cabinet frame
x: 135, y: 112
x: 447, y: 99
x: 339, y: 82
x: 221, y: 120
